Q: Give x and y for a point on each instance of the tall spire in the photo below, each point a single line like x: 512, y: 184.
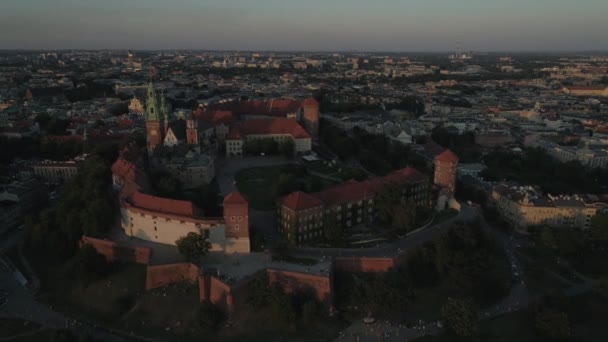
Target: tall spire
x: 152, y: 109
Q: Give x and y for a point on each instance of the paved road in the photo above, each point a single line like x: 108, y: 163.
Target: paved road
x: 518, y: 299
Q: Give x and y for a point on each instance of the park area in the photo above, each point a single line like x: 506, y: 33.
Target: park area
x: 264, y: 185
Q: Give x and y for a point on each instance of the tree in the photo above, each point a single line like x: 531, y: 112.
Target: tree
x: 280, y: 250
x: 194, y: 245
x: 599, y: 228
x: 209, y: 316
x: 287, y: 148
x: 602, y: 287
x: 552, y: 323
x: 167, y: 185
x: 460, y: 317
x: 86, y: 266
x: 332, y: 229
x: 394, y: 210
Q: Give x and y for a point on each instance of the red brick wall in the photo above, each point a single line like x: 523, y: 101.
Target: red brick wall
x: 159, y: 276
x: 371, y: 265
x: 220, y: 294
x: 295, y: 281
x: 114, y: 252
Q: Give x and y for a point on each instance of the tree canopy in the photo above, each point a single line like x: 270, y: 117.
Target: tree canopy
x: 194, y: 245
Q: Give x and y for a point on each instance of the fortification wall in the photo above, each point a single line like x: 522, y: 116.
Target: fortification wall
x: 115, y: 252
x: 159, y: 276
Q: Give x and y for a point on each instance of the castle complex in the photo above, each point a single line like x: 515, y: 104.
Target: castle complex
x: 302, y: 216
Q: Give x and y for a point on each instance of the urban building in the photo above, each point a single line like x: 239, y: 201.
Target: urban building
x: 302, y: 216
x: 163, y: 220
x: 446, y: 165
x: 56, y: 172
x: 524, y: 207
x: 280, y: 130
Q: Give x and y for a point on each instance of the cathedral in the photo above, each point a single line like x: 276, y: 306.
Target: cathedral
x: 178, y: 144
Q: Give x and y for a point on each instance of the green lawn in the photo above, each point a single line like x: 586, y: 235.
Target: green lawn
x: 261, y: 185
x: 337, y: 170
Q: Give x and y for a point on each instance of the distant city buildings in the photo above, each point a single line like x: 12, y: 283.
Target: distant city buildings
x: 56, y: 172
x: 524, y: 207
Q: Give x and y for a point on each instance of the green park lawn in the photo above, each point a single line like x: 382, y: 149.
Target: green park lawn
x: 264, y: 185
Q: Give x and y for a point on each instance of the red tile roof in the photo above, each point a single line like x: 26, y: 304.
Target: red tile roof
x: 277, y: 107
x: 447, y: 156
x: 585, y: 87
x: 299, y: 200
x: 124, y: 169
x: 217, y: 117
x: 310, y: 102
x: 352, y: 191
x: 162, y: 205
x: 235, y: 197
x: 274, y: 126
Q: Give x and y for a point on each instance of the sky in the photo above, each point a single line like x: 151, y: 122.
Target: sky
x: 319, y: 25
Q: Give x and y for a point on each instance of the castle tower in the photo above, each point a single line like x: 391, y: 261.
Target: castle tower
x: 236, y: 215
x: 192, y: 131
x: 154, y: 133
x: 164, y: 109
x: 446, y: 164
x: 311, y: 117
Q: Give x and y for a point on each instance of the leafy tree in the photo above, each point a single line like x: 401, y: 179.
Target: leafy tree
x: 86, y: 266
x: 394, y: 210
x: 460, y: 317
x: 602, y: 287
x: 287, y: 148
x: 599, y: 227
x: 332, y: 229
x: 209, y: 316
x: 194, y: 245
x: 552, y: 323
x: 167, y: 185
x: 280, y: 250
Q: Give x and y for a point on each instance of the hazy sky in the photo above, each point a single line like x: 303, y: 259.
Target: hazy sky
x: 388, y: 25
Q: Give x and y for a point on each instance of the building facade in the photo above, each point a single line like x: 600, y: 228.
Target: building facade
x: 163, y: 220
x: 523, y: 207
x: 301, y: 217
x: 279, y: 130
x: 57, y: 172
x: 446, y: 166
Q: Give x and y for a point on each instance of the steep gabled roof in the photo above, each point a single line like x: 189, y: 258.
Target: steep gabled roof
x: 274, y: 126
x: 235, y: 197
x: 162, y: 205
x: 299, y: 200
x: 447, y: 156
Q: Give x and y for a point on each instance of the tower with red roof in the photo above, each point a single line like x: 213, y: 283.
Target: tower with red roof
x: 154, y: 132
x: 311, y: 117
x: 236, y: 215
x: 446, y: 164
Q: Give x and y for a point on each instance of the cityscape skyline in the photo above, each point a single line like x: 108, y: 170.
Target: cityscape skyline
x: 269, y: 25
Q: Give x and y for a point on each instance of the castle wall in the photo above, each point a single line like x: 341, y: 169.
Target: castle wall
x: 114, y: 252
x: 159, y: 276
x: 167, y: 230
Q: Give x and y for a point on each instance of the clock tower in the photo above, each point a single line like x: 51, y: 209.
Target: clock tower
x: 154, y: 133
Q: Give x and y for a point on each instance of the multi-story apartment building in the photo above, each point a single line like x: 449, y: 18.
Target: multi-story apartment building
x: 301, y: 216
x: 58, y: 171
x: 523, y: 207
x: 590, y: 155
